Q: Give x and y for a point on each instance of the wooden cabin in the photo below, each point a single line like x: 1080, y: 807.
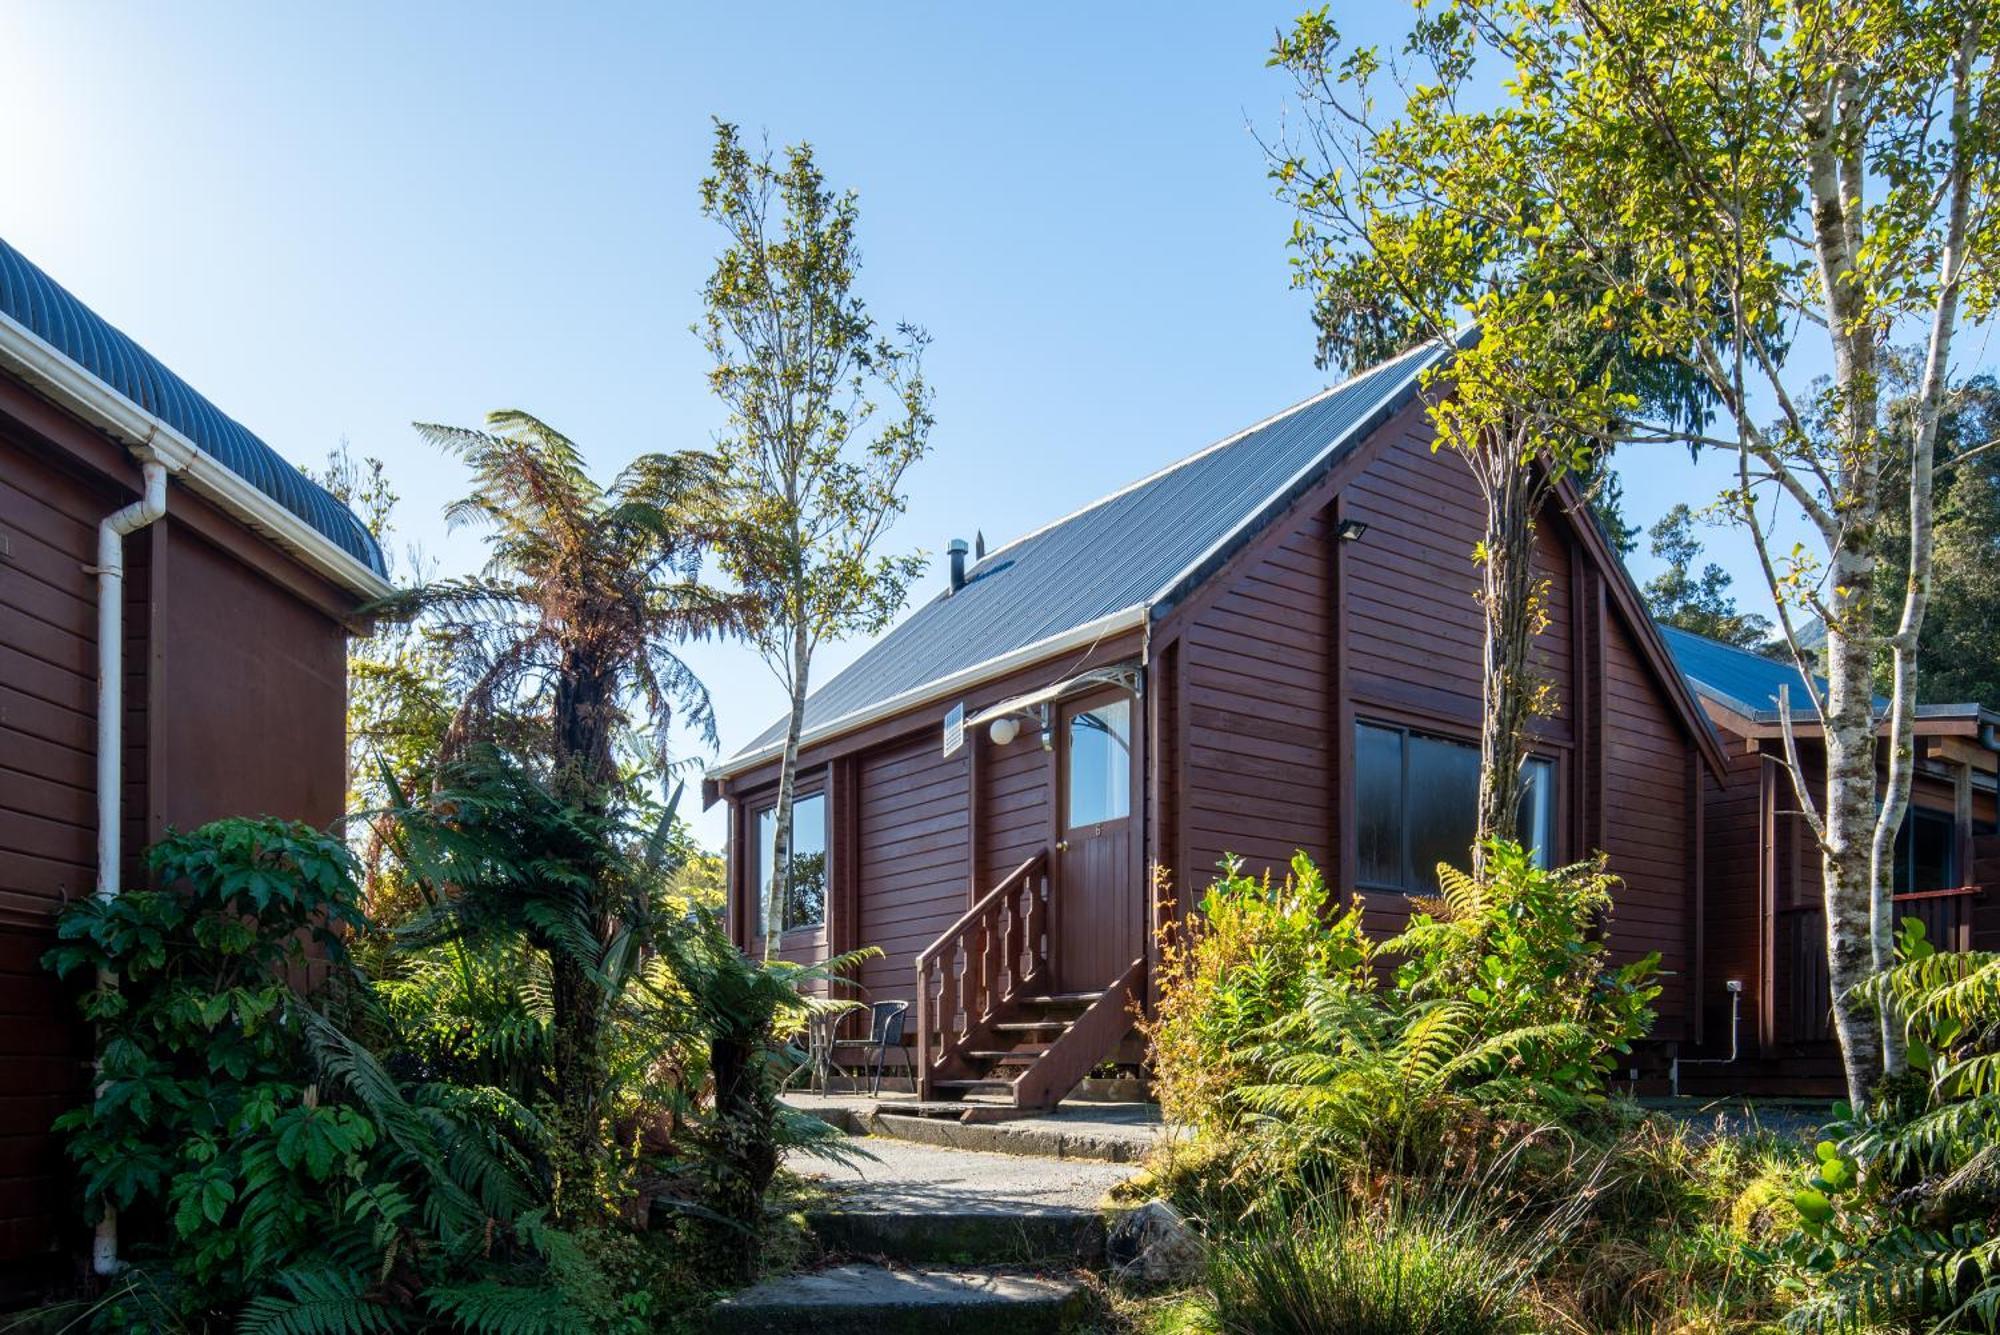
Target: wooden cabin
x: 1270, y: 645
x: 1764, y: 923
x: 228, y: 665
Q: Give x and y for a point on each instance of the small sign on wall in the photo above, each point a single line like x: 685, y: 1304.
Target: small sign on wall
x: 954, y: 729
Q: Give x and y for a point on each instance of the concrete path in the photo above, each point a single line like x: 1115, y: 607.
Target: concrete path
x: 1115, y: 1132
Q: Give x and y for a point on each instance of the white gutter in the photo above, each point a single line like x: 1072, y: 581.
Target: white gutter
x: 27, y: 356
x: 110, y: 571
x: 939, y: 688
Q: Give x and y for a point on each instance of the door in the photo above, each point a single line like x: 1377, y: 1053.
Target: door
x: 1100, y: 914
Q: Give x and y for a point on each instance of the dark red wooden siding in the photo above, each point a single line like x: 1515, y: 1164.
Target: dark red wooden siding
x: 912, y: 856
x: 1258, y: 762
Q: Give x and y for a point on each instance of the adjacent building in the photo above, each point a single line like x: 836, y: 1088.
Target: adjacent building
x: 175, y: 602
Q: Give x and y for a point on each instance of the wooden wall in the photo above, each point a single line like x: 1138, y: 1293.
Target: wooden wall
x: 1259, y: 714
x: 48, y: 817
x: 1648, y: 773
x: 235, y: 704
x: 1764, y: 922
x: 912, y: 855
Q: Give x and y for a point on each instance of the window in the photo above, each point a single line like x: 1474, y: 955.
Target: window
x: 1926, y: 852
x: 1416, y: 800
x: 1100, y: 763
x: 802, y: 900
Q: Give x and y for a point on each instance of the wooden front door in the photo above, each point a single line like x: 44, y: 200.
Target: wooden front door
x: 1100, y: 917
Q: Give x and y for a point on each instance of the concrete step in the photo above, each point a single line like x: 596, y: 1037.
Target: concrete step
x: 876, y: 1300
x: 1023, y: 1235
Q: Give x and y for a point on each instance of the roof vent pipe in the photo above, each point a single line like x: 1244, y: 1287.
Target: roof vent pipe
x: 957, y: 550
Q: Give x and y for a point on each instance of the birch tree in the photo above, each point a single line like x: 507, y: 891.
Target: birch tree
x: 814, y: 477
x: 1764, y: 197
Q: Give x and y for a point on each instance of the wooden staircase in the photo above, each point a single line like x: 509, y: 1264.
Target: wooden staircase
x: 987, y: 1023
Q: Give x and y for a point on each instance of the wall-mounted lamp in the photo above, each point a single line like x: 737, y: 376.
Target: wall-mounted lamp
x: 1004, y: 730
x: 1350, y: 530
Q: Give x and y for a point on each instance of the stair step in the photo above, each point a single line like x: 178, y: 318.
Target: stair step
x: 975, y: 1235
x: 1025, y: 1050
x: 993, y: 1082
x: 875, y: 1300
x: 1063, y: 999
x: 1010, y: 1058
x: 1024, y: 1026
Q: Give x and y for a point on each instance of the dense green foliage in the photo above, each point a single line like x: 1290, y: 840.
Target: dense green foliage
x: 1274, y: 1017
x: 253, y: 1150
x: 292, y: 1145
x: 1900, y: 1208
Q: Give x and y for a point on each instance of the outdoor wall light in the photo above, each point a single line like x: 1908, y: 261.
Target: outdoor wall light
x: 1350, y: 530
x: 1004, y: 730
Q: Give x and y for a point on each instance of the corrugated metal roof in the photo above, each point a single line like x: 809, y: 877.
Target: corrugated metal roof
x: 1144, y: 546
x: 1740, y: 677
x: 48, y: 309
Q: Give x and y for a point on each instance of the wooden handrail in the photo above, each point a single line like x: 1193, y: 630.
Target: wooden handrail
x: 997, y: 948
x: 986, y: 902
x: 1953, y: 892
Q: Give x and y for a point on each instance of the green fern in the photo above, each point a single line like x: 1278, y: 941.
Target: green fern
x: 319, y: 1302
x: 490, y: 1307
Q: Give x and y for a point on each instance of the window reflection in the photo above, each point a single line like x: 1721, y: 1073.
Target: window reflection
x: 802, y: 898
x: 1100, y: 763
x: 1416, y: 804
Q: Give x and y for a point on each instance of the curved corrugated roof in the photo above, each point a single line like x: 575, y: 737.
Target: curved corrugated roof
x: 1144, y: 546
x: 53, y: 314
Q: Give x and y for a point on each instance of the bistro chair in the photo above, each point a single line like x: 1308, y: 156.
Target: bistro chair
x: 886, y: 1020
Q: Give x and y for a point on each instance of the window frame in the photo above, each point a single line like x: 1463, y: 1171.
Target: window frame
x: 1404, y: 732
x: 802, y: 793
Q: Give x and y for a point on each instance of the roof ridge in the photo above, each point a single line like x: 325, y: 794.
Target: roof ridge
x: 1202, y: 453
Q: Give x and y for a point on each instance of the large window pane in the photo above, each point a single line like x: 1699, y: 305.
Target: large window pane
x: 802, y: 898
x: 1416, y: 801
x: 1378, y: 805
x: 1100, y: 763
x: 1441, y: 801
x: 1926, y: 852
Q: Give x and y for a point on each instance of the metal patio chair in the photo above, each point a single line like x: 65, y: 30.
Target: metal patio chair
x: 886, y: 1021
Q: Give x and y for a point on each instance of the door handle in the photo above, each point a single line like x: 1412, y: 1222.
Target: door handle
x: 1062, y: 845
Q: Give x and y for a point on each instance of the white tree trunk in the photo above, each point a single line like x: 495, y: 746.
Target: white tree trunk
x: 777, y: 875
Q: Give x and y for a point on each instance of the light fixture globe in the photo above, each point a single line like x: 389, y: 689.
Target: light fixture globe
x: 1004, y: 730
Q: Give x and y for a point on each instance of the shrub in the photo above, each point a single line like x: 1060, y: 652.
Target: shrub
x: 1505, y: 1006
x: 1246, y: 959
x: 1899, y: 1213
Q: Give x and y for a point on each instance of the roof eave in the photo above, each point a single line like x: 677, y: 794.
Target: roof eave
x: 36, y: 362
x: 937, y: 689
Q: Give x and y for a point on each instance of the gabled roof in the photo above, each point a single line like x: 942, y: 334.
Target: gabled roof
x: 1111, y: 564
x: 37, y: 303
x: 1746, y: 683
x: 1740, y: 680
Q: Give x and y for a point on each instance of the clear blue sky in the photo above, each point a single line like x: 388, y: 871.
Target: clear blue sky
x: 335, y: 220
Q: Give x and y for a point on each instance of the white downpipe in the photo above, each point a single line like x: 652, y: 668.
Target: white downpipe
x: 110, y: 571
